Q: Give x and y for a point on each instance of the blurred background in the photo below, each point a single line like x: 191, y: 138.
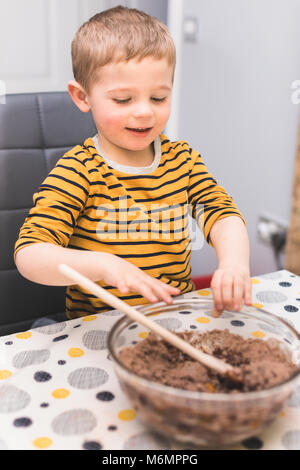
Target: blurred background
x: 236, y: 94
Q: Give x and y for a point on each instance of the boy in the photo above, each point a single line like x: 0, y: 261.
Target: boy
x: 114, y: 207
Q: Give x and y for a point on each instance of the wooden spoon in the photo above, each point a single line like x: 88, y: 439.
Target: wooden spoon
x: 209, y: 361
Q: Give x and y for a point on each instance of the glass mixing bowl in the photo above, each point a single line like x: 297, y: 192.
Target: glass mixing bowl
x: 209, y: 419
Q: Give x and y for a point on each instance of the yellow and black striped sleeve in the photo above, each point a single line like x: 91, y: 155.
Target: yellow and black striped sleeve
x: 210, y: 201
x: 57, y: 204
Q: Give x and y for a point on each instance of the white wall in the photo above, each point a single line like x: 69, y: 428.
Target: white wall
x: 35, y: 42
x: 236, y: 109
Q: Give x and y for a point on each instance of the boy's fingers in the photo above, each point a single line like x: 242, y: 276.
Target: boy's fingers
x: 217, y: 295
x: 174, y: 290
x: 227, y: 291
x: 123, y: 288
x: 146, y: 292
x: 162, y: 292
x: 238, y: 292
x: 215, y: 313
x: 248, y: 292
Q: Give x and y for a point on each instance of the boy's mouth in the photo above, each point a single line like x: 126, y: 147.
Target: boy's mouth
x: 139, y: 130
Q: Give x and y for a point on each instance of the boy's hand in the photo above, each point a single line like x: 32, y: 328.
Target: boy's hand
x: 231, y: 286
x: 127, y: 277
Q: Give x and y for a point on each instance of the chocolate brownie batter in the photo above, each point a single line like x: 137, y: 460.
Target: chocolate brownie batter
x: 262, y: 363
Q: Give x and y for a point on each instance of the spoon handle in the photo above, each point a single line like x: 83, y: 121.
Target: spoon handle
x: 209, y: 361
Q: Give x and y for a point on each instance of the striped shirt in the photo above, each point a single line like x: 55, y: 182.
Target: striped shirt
x: 86, y: 204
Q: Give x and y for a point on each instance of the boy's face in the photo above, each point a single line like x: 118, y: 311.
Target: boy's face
x: 131, y: 95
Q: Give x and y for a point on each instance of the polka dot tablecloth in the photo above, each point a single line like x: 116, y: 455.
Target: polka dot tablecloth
x: 58, y: 389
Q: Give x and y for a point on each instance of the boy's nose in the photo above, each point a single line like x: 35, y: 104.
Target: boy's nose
x: 143, y: 110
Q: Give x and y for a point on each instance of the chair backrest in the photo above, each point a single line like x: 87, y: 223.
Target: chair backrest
x: 36, y: 129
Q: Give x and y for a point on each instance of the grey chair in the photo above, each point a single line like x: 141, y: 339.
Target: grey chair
x: 36, y: 129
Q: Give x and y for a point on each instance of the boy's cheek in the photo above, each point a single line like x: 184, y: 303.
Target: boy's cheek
x: 107, y: 121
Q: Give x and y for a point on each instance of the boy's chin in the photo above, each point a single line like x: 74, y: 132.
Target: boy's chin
x: 142, y: 144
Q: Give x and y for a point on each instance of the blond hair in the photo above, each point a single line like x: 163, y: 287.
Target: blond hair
x: 116, y: 35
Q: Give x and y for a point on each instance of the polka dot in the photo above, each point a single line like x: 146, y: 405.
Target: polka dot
x: 9, y: 343
x: 60, y: 338
x: 95, y: 340
x: 255, y: 281
x: 43, y: 321
x: 169, y: 323
x: 127, y: 415
x: 22, y: 422
x: 291, y: 440
x: 111, y: 313
x: 105, y: 396
x: 28, y: 358
x: 112, y: 428
x: 285, y: 284
x: 257, y: 305
x: 75, y: 352
x: 5, y: 374
x: 89, y: 318
x: 92, y: 445
x: 291, y: 308
x: 258, y: 334
x: 193, y: 327
x: 25, y: 335
x: 253, y: 443
x: 185, y: 312
x: 42, y: 376
x: 52, y: 329
x: 73, y: 422
x: 237, y: 323
x: 132, y: 327
x: 87, y: 378
x: 61, y: 362
x: 202, y: 320
x: 146, y: 440
x: 143, y: 334
x: 60, y: 393
x: 271, y: 297
x: 203, y: 293
x: 42, y: 442
x: 12, y: 398
x: 44, y: 405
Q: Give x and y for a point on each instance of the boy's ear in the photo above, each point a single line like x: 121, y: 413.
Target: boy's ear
x: 79, y: 96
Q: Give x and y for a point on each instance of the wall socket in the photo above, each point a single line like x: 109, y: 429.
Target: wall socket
x: 269, y: 225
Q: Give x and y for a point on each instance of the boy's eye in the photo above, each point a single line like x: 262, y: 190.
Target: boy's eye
x: 159, y: 99
x: 121, y: 101
x: 128, y: 99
